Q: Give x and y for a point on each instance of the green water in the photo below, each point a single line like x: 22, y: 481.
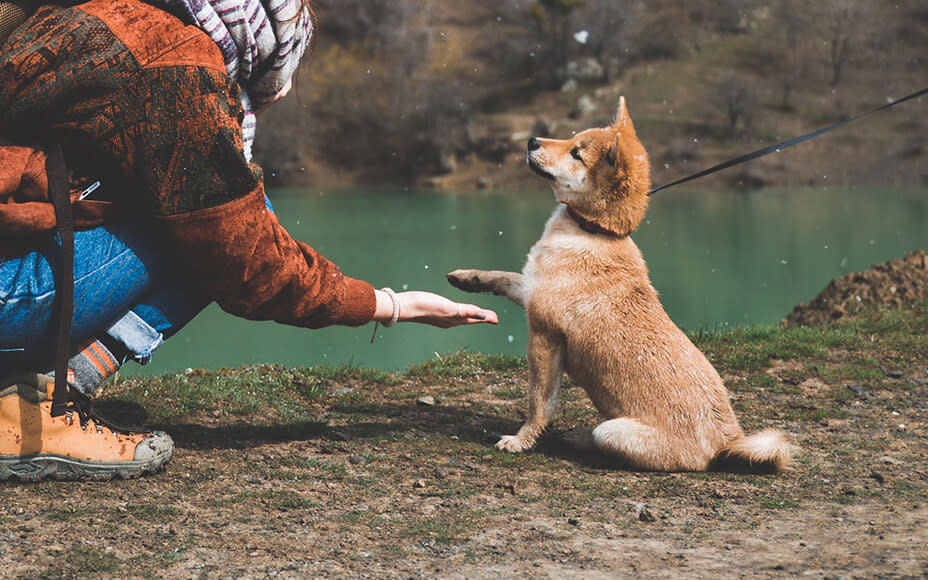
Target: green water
x: 717, y: 259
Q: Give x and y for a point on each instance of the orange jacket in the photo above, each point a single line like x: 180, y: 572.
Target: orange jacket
x: 142, y: 102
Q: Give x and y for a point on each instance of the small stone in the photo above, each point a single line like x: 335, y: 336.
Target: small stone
x: 858, y: 391
x: 419, y: 484
x: 573, y: 521
x: 509, y: 488
x: 643, y: 513
x: 357, y: 460
x: 426, y: 401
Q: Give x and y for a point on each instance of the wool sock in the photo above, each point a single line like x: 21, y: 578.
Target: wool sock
x: 94, y: 364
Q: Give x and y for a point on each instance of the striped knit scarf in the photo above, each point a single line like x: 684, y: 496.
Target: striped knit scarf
x: 261, y: 41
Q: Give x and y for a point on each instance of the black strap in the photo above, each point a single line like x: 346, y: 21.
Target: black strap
x: 59, y: 193
x: 784, y: 144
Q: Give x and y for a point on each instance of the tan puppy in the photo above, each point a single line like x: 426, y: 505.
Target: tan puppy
x: 593, y: 312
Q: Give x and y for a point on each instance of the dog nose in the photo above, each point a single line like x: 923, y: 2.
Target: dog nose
x: 533, y: 144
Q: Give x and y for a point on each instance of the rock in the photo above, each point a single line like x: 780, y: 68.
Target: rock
x: 542, y: 127
x: 858, y: 391
x: 585, y: 70
x: 643, y: 513
x: 584, y: 108
x: 426, y: 401
x: 573, y: 521
x: 509, y: 488
x: 447, y: 163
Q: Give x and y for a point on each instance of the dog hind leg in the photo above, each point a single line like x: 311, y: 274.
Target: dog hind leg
x: 499, y: 282
x: 644, y: 447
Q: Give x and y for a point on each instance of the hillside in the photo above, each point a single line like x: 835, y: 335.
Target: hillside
x: 446, y: 94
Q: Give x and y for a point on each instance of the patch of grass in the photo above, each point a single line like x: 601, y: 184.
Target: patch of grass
x: 244, y: 391
x: 779, y: 503
x: 173, y: 555
x: 442, y: 530
x: 279, y: 499
x: 401, y: 395
x: 69, y: 513
x: 317, y: 468
x: 351, y: 402
x: 318, y: 379
x: 819, y: 413
x: 465, y: 365
x: 88, y: 561
x: 752, y: 348
x: 153, y: 513
x: 865, y: 370
x: 510, y: 393
x: 258, y: 390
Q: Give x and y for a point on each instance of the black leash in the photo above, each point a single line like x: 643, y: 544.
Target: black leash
x: 59, y: 193
x: 789, y: 143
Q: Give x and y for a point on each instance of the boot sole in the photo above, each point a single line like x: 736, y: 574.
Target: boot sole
x: 32, y: 468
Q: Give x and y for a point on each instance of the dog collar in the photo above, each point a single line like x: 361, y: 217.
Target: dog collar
x: 589, y: 226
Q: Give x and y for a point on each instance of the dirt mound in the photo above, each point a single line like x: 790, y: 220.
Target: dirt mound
x: 893, y: 284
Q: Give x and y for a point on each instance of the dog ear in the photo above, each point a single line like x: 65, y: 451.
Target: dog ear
x: 612, y: 156
x: 621, y: 115
x: 623, y: 122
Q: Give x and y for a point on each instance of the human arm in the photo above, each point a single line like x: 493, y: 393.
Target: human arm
x: 429, y: 308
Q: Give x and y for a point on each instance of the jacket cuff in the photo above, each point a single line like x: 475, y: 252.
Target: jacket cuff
x: 359, y: 305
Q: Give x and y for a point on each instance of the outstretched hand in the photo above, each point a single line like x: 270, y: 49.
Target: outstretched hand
x: 429, y: 308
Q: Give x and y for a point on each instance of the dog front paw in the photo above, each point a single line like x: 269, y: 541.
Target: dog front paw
x: 467, y: 280
x: 512, y: 444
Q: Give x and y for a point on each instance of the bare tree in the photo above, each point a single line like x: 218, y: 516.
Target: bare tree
x: 787, y: 15
x: 844, y: 16
x: 606, y: 22
x: 731, y: 15
x: 736, y: 97
x: 553, y: 20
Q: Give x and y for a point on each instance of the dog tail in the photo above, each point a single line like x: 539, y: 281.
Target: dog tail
x: 767, y: 451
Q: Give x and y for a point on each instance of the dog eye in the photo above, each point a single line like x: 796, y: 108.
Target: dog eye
x: 575, y: 153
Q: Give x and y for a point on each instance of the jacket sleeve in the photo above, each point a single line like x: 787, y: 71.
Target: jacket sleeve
x: 251, y: 266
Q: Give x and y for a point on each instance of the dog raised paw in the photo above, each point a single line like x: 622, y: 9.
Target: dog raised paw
x: 512, y: 444
x: 467, y: 280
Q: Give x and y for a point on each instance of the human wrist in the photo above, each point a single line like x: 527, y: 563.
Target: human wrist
x: 387, y: 310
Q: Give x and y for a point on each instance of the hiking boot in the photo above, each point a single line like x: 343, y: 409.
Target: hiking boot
x: 76, y: 445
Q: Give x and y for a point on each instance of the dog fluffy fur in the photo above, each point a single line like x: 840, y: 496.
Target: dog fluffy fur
x: 593, y: 313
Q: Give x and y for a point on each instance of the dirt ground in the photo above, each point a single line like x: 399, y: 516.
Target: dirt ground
x: 892, y: 284
x: 359, y: 474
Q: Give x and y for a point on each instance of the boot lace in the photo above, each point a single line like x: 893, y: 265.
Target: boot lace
x: 81, y: 405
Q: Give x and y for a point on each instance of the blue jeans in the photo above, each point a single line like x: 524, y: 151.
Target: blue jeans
x: 123, y: 286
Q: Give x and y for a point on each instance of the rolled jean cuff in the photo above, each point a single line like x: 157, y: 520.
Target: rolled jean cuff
x: 138, y: 336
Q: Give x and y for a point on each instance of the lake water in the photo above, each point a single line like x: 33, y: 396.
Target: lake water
x: 717, y: 258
